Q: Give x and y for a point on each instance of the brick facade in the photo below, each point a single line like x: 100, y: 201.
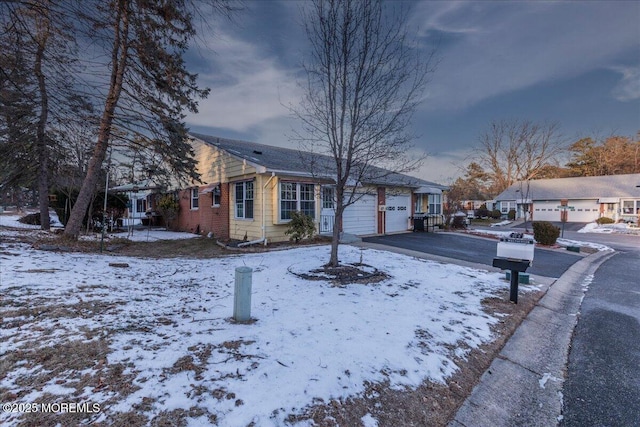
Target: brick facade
x: 206, y: 218
x: 382, y: 200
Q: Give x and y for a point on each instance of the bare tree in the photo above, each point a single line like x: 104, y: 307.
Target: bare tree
x: 364, y: 82
x: 517, y: 150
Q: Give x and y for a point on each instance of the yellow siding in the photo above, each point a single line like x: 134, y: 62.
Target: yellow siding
x: 276, y: 230
x: 219, y: 166
x: 253, y: 228
x: 250, y: 228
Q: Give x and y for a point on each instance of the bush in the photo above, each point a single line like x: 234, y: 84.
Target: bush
x: 482, y: 212
x: 32, y: 219
x: 301, y: 226
x: 545, y: 233
x: 458, y: 221
x: 169, y: 208
x: 511, y: 215
x: 495, y: 214
x: 604, y: 220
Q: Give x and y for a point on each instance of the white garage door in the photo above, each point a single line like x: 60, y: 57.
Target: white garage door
x: 583, y: 211
x: 546, y: 211
x: 360, y: 217
x: 397, y: 213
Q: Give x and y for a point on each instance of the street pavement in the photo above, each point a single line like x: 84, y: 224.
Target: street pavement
x: 575, y: 360
x: 603, y: 382
x: 464, y: 247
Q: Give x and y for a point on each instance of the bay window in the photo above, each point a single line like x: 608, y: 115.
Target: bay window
x: 295, y: 196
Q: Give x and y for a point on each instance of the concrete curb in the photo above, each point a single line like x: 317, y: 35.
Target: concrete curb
x: 523, y: 385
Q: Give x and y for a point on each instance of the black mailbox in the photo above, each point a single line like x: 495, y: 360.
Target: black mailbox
x: 519, y: 265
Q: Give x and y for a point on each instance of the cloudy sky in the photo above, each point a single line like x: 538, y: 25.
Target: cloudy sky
x: 577, y: 63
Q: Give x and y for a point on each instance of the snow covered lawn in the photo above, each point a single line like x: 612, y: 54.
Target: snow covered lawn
x: 154, y: 340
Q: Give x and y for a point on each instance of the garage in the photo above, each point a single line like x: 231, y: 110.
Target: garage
x: 546, y: 211
x: 583, y: 211
x: 397, y: 213
x: 360, y: 217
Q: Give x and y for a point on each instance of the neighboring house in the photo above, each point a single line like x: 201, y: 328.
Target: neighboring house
x: 470, y: 206
x: 250, y: 191
x: 586, y: 198
x: 139, y: 206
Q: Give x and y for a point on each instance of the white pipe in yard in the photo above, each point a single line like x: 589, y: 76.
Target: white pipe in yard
x: 252, y: 242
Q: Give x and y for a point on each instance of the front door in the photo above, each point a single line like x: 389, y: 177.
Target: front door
x: 328, y: 211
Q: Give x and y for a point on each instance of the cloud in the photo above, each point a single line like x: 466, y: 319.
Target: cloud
x: 628, y: 88
x: 444, y: 167
x: 492, y: 48
x: 247, y: 88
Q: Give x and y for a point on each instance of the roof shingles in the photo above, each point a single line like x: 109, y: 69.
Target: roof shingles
x: 590, y: 187
x: 287, y: 160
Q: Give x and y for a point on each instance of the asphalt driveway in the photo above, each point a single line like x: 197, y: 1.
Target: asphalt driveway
x: 548, y: 263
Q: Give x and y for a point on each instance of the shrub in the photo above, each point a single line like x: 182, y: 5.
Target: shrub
x: 511, y: 215
x: 168, y: 207
x: 545, y: 233
x: 32, y: 219
x: 458, y: 221
x: 495, y: 214
x: 604, y: 220
x: 301, y: 226
x: 482, y: 212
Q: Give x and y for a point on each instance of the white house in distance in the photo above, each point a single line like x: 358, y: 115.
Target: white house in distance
x: 586, y: 198
x: 139, y: 204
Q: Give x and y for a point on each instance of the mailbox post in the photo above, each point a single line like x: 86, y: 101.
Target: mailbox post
x: 514, y: 253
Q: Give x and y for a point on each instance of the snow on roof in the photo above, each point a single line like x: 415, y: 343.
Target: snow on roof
x: 143, y: 185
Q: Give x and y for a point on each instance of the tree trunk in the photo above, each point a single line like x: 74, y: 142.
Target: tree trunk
x: 334, y: 261
x: 335, y: 241
x: 119, y: 59
x: 41, y: 142
x: 90, y: 213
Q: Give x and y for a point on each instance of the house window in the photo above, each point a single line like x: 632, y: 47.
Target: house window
x: 244, y: 200
x: 627, y: 207
x: 215, y: 196
x: 141, y: 205
x: 419, y: 208
x: 327, y: 198
x: 297, y: 197
x: 435, y: 205
x: 194, y: 198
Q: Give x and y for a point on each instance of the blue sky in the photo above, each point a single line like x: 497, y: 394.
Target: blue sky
x: 577, y: 63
